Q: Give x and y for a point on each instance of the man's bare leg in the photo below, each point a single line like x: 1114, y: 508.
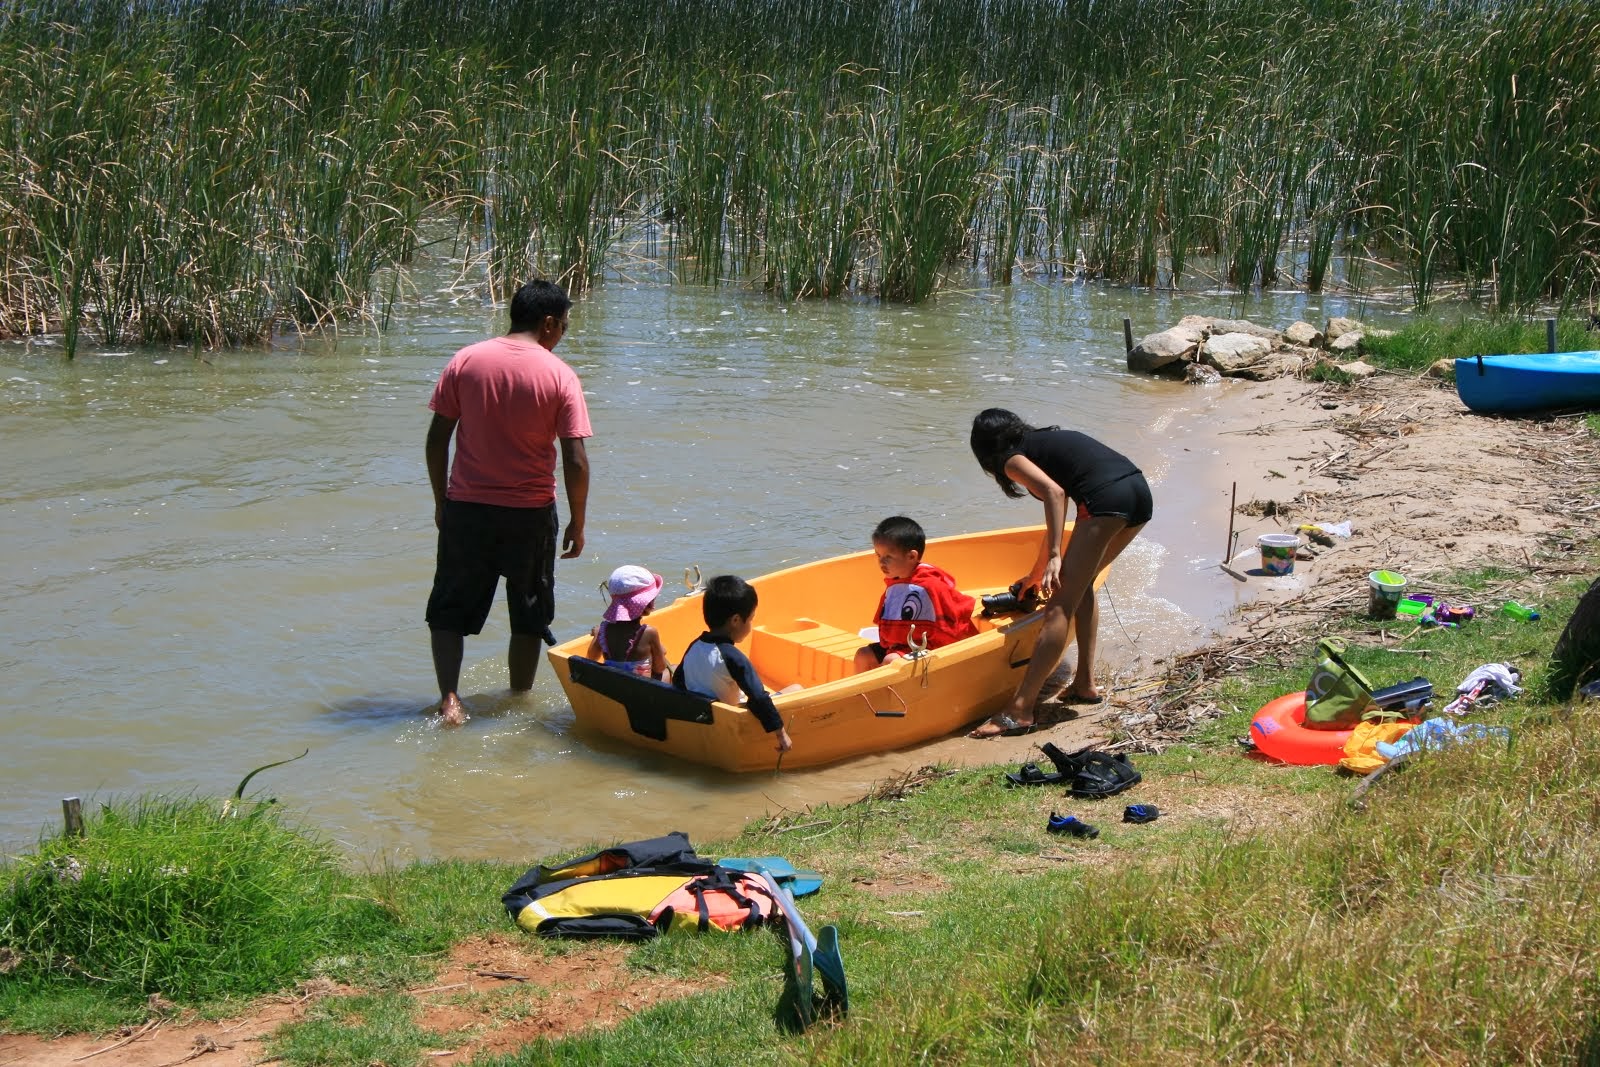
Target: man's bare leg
x: 523, y: 659
x: 448, y: 649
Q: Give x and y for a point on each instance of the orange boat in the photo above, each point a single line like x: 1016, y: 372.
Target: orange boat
x: 808, y: 627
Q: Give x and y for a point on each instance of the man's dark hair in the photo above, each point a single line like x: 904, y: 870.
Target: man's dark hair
x: 901, y: 532
x: 727, y: 595
x: 536, y: 301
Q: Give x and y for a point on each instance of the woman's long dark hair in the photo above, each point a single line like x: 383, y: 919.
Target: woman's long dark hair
x: 997, y: 435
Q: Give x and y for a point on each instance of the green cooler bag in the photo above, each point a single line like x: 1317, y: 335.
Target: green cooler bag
x: 1338, y: 696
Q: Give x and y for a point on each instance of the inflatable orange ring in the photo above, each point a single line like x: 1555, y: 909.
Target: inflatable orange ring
x: 1279, y: 731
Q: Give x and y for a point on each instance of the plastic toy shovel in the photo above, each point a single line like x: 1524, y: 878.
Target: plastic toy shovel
x: 821, y: 953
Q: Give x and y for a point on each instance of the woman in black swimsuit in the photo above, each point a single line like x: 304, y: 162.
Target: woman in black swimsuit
x: 1054, y: 466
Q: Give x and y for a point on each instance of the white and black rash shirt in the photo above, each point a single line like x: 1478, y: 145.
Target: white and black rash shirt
x: 714, y: 667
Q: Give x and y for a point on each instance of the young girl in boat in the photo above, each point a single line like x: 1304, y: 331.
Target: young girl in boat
x: 1053, y: 466
x: 623, y: 639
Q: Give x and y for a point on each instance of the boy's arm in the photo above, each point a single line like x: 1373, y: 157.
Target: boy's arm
x: 743, y: 672
x: 678, y: 681
x: 958, y: 623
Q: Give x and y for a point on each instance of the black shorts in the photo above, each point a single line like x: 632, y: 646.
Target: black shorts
x: 479, y: 543
x: 1126, y: 498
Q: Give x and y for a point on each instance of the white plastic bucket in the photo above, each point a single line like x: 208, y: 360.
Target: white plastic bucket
x: 1277, y: 552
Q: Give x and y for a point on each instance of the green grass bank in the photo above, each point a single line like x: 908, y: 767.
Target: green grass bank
x: 209, y: 173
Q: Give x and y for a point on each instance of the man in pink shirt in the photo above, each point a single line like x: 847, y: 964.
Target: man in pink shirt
x: 506, y: 401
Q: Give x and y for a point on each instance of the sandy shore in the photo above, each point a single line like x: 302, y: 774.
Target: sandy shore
x: 1429, y: 489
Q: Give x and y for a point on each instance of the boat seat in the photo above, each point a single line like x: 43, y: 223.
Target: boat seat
x: 804, y: 651
x: 649, y: 703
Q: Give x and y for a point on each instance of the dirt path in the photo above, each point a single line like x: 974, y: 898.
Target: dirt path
x: 495, y: 994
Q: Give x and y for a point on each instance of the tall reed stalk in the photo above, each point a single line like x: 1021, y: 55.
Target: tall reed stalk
x: 212, y: 172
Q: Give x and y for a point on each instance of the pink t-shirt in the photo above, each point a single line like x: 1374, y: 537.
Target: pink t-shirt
x: 511, y: 400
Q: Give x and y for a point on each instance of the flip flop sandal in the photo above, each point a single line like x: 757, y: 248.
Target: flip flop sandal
x: 1009, y: 727
x: 1030, y: 774
x: 1068, y: 764
x: 1069, y: 824
x: 1102, y: 775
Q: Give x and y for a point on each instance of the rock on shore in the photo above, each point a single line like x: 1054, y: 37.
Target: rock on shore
x: 1238, y: 348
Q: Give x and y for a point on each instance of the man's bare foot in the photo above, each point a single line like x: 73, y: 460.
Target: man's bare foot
x: 451, y: 711
x: 1071, y: 695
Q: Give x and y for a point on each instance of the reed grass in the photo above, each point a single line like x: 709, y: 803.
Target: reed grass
x: 210, y: 173
x: 1417, y: 345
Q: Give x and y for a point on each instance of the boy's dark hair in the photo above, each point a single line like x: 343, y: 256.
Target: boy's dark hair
x: 535, y: 301
x: 901, y: 532
x: 727, y: 595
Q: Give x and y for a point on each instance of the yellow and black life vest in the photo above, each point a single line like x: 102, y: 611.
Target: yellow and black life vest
x: 637, y: 890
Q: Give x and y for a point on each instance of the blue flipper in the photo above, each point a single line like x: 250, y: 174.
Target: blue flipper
x: 798, y: 881
x: 830, y: 964
x: 822, y: 954
x: 805, y: 883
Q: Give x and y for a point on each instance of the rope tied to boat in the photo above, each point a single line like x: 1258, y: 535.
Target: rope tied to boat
x: 919, y: 651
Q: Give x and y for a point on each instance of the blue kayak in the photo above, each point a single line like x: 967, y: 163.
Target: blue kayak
x: 1508, y: 385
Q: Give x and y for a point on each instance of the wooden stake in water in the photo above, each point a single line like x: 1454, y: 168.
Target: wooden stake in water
x: 1227, y: 550
x: 1127, y: 336
x: 1233, y: 502
x: 72, y: 811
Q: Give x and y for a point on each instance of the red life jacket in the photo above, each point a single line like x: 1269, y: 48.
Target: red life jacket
x: 927, y: 604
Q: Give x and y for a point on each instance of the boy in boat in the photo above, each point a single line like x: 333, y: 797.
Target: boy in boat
x: 921, y: 605
x: 713, y: 667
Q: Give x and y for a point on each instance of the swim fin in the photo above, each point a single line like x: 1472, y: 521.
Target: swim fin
x: 797, y: 880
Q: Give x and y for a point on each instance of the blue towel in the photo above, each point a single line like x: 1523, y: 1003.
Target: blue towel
x: 1436, y: 733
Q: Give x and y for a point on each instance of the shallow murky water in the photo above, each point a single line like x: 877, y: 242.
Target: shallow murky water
x: 210, y: 564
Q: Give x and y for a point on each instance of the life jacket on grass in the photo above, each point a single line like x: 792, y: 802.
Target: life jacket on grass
x: 636, y: 891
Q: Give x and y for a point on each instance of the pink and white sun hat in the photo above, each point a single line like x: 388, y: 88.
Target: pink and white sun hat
x: 632, y: 589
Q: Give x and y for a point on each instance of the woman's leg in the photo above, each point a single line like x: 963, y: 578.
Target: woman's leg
x: 1086, y: 622
x: 1094, y: 544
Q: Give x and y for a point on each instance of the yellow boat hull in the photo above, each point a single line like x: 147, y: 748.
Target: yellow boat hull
x: 807, y: 631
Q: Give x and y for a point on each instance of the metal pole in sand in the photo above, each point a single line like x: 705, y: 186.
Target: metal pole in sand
x: 1227, y: 550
